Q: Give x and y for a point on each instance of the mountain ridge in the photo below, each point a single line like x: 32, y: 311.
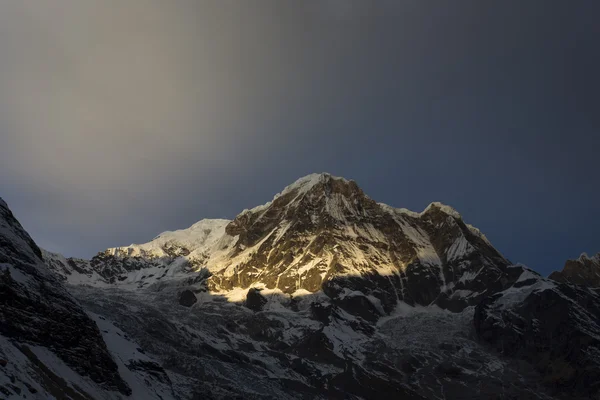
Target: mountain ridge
x: 316, y: 231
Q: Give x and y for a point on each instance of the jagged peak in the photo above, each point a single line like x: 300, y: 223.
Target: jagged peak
x: 585, y: 257
x: 300, y: 186
x: 11, y: 231
x: 477, y: 232
x: 442, y: 207
x: 307, y: 182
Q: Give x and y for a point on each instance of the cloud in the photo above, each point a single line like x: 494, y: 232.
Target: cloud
x: 105, y: 98
x: 99, y: 92
x: 105, y: 104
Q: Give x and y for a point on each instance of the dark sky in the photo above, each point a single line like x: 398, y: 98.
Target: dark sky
x: 119, y: 120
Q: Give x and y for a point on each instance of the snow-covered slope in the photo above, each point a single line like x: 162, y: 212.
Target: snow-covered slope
x: 171, y: 255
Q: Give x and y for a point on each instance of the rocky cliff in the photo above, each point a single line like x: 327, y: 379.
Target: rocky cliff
x: 583, y: 271
x: 36, y: 310
x: 49, y: 346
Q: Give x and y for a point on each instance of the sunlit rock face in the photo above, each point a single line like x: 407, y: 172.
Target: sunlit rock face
x: 582, y: 271
x: 324, y: 233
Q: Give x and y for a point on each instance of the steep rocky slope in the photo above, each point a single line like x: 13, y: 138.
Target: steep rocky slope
x: 582, y: 271
x: 555, y: 326
x: 49, y: 346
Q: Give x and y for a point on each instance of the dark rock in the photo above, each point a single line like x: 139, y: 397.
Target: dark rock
x: 321, y: 312
x: 360, y: 382
x: 151, y: 369
x: 318, y: 347
x: 254, y: 300
x: 555, y: 328
x: 448, y: 368
x: 409, y: 364
x: 360, y: 306
x: 187, y: 298
x: 15, y: 389
x: 30, y: 388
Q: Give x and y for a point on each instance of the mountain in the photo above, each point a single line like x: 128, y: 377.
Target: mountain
x: 50, y: 347
x: 320, y: 233
x: 325, y: 293
x: 582, y: 271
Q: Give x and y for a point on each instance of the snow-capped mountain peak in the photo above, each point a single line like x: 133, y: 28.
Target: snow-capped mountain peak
x: 436, y: 205
x: 307, y: 182
x: 318, y: 234
x: 198, y: 237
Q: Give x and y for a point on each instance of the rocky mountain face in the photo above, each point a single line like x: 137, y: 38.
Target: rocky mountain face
x: 36, y: 310
x: 555, y: 326
x: 325, y: 293
x: 324, y: 233
x: 49, y: 346
x: 582, y: 271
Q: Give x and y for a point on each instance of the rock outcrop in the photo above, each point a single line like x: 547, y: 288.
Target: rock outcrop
x: 254, y: 300
x: 187, y: 298
x: 583, y: 271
